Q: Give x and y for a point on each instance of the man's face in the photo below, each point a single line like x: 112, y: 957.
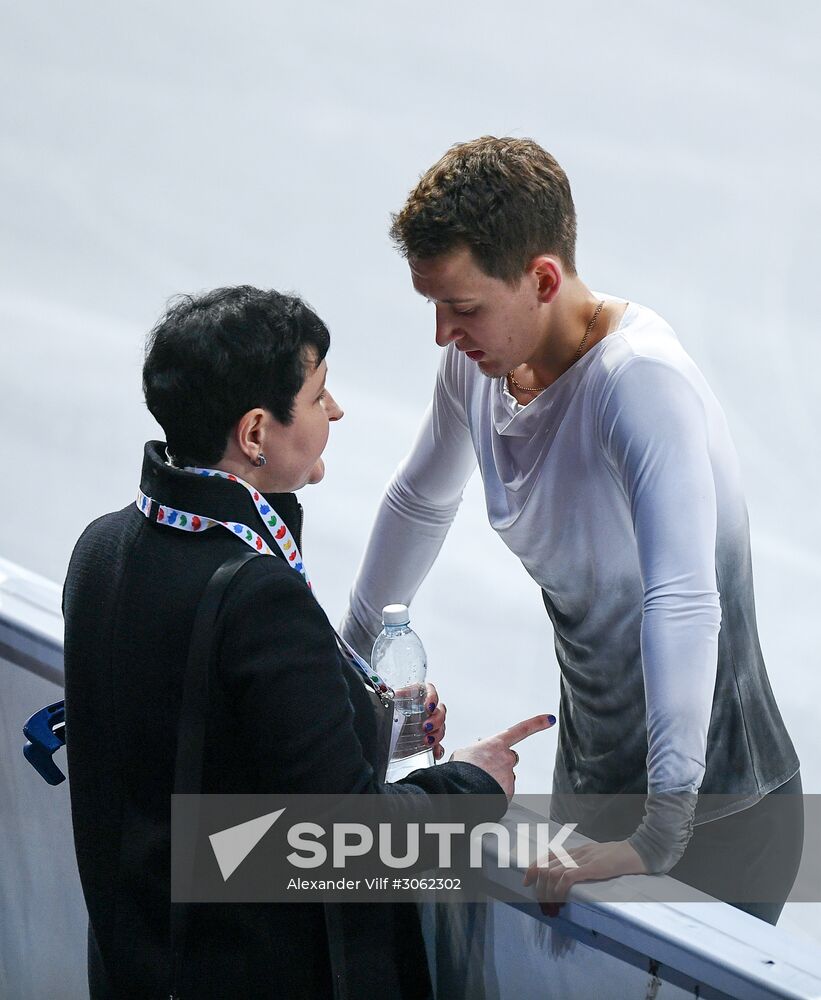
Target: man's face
x: 499, y: 326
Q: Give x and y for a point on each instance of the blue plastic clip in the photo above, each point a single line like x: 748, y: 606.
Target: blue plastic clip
x: 45, y: 732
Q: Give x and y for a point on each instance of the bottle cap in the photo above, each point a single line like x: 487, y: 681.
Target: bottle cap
x: 395, y: 614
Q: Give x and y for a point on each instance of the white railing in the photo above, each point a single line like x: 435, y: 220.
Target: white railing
x: 42, y: 913
x: 600, y: 946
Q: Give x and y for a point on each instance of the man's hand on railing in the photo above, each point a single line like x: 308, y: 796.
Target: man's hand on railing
x: 594, y: 863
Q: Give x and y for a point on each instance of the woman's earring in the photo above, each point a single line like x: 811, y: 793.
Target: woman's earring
x: 260, y: 460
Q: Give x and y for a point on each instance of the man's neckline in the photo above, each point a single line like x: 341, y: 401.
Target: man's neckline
x: 516, y: 407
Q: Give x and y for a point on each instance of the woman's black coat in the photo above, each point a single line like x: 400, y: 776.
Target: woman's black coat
x: 286, y: 716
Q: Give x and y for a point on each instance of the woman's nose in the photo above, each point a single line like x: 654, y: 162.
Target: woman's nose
x: 333, y: 409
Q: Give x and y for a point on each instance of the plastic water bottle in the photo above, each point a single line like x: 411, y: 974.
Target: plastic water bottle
x: 399, y: 659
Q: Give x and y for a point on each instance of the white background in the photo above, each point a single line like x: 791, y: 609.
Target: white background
x: 167, y: 147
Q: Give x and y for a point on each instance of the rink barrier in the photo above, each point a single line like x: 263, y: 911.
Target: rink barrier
x: 597, y: 947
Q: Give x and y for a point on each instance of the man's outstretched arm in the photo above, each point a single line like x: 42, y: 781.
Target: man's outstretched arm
x: 418, y: 507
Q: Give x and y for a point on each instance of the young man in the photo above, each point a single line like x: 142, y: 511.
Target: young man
x: 609, y: 471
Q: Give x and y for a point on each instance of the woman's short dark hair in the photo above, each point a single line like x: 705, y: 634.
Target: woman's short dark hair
x: 213, y: 357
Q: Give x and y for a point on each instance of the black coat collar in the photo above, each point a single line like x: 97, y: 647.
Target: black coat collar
x: 211, y: 496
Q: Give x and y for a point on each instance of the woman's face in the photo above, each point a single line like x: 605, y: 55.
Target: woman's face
x: 293, y: 451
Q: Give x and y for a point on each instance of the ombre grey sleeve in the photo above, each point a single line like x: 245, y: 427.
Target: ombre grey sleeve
x: 417, y: 509
x: 654, y: 433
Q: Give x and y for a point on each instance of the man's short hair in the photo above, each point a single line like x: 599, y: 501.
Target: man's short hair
x: 211, y: 358
x: 507, y: 200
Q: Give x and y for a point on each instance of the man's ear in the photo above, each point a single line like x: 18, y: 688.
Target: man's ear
x: 547, y: 272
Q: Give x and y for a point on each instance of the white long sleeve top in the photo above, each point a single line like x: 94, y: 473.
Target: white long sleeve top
x: 618, y: 488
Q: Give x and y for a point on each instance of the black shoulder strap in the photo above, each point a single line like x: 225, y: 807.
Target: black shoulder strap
x: 196, y: 688
x: 198, y: 676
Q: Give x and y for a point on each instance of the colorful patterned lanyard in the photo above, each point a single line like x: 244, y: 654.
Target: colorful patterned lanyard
x: 187, y: 521
x: 277, y: 529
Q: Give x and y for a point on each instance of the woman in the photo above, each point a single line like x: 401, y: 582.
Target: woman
x: 236, y: 378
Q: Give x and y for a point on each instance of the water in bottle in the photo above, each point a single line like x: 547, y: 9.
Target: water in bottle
x: 399, y: 659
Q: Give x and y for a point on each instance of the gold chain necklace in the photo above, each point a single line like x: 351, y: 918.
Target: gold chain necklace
x: 576, y: 356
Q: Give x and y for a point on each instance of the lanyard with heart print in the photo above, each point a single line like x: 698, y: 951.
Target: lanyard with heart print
x: 276, y: 529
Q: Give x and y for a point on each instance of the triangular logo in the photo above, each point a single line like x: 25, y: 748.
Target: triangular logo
x: 232, y: 846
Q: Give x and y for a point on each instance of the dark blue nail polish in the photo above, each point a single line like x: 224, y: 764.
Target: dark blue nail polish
x: 552, y: 720
x: 432, y: 706
x: 428, y: 726
x: 429, y: 739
